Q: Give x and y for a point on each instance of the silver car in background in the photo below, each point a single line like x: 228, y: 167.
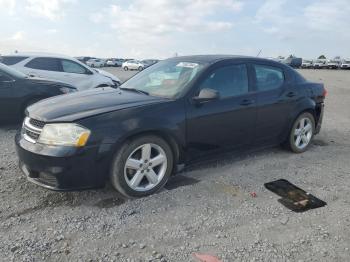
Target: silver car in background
x: 60, y: 68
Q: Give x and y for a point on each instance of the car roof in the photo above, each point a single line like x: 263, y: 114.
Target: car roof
x: 40, y: 54
x: 217, y: 58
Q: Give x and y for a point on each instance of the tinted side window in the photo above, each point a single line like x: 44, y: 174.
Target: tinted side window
x: 45, y: 63
x: 268, y: 77
x: 72, y: 67
x: 228, y: 81
x: 12, y: 60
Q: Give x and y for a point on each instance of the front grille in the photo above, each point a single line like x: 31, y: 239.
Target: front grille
x: 31, y: 129
x: 47, y: 179
x: 32, y: 135
x: 37, y: 123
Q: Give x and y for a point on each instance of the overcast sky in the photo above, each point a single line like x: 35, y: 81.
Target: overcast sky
x: 160, y: 28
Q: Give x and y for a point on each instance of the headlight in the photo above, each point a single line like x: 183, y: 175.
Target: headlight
x: 64, y: 135
x: 116, y: 83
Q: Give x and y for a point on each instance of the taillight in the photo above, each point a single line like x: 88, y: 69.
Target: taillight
x: 325, y: 92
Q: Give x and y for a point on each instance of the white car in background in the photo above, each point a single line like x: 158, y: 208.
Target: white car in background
x: 61, y: 68
x: 334, y: 63
x: 320, y: 64
x: 306, y: 64
x: 96, y: 62
x: 114, y: 62
x: 133, y: 65
x: 345, y: 64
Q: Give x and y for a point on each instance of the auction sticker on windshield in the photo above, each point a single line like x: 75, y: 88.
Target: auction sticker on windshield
x: 187, y: 64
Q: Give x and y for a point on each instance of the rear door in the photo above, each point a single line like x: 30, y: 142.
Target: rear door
x: 46, y: 67
x: 276, y: 96
x: 228, y: 121
x: 76, y: 74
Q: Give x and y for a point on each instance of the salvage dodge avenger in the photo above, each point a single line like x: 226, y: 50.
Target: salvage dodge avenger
x: 137, y: 136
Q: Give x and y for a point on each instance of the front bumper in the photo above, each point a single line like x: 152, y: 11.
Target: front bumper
x: 63, y: 168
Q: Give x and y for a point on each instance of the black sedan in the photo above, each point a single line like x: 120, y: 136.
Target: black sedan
x: 163, y: 118
x: 17, y: 91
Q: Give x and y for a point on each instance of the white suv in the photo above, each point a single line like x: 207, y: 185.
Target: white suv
x: 60, y: 68
x: 306, y: 64
x: 345, y: 64
x: 320, y: 64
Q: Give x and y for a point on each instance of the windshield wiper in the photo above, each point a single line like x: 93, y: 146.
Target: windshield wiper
x: 135, y: 90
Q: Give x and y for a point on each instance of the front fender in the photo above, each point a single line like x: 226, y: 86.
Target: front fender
x: 114, y: 128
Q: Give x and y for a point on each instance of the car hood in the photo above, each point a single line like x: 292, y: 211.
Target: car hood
x: 71, y: 107
x: 109, y: 75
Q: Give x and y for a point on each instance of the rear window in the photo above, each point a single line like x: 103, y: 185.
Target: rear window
x: 12, y: 60
x: 268, y: 77
x: 45, y: 63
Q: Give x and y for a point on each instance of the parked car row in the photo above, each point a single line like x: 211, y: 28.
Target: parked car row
x: 117, y: 62
x: 326, y: 64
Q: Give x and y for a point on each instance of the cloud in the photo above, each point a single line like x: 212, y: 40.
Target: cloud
x: 160, y: 17
x: 18, y: 36
x: 156, y: 23
x: 328, y: 15
x: 274, y: 17
x: 50, y: 9
x: 8, y: 6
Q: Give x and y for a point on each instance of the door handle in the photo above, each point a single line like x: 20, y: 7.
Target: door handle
x: 291, y: 94
x: 247, y: 102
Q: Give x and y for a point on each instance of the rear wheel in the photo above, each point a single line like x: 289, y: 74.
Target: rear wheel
x: 302, y: 133
x: 142, y: 166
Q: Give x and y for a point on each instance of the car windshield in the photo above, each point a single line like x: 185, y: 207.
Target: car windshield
x: 165, y: 79
x: 347, y: 61
x: 307, y: 61
x: 12, y: 72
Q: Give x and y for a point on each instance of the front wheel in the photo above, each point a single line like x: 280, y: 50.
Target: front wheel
x: 142, y: 166
x: 126, y: 68
x: 302, y: 133
x: 140, y: 68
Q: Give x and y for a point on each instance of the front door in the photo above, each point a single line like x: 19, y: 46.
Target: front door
x: 228, y: 121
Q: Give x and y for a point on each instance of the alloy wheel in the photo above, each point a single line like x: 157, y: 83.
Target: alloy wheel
x: 303, y: 133
x: 145, y: 167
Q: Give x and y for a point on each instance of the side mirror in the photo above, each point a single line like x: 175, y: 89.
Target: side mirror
x: 206, y: 95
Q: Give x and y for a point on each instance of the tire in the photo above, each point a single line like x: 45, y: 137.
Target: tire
x: 92, y: 65
x: 140, y: 68
x: 299, y: 138
x: 134, y: 180
x: 126, y: 68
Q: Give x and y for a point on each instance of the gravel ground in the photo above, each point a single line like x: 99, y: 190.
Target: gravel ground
x: 209, y: 209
